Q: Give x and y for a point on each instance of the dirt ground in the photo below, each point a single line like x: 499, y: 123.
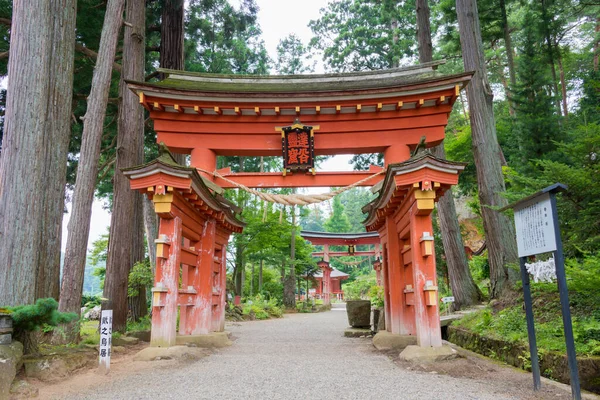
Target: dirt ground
x: 506, y: 378
x: 122, y: 365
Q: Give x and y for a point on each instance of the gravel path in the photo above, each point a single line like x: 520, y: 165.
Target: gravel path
x: 301, y: 356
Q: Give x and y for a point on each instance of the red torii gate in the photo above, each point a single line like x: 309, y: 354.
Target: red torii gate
x: 351, y: 240
x: 387, y: 111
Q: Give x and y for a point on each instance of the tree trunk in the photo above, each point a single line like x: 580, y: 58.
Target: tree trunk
x: 151, y: 227
x: 252, y: 279
x: 138, y: 307
x: 498, y: 227
x: 463, y: 287
x: 509, y: 57
x: 23, y: 170
x: 424, y: 32
x: 237, y: 272
x: 550, y: 50
x: 260, y: 277
x: 59, y: 134
x: 563, y: 84
x: 123, y: 228
x: 87, y: 169
x: 289, y: 293
x: 171, y: 35
x: 597, y: 44
x: 171, y: 43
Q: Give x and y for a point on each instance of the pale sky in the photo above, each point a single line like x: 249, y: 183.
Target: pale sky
x: 277, y: 18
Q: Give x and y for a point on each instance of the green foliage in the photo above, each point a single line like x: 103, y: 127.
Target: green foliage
x: 338, y: 221
x: 32, y: 317
x: 358, y: 35
x: 376, y: 294
x: 293, y: 56
x: 259, y: 308
x: 361, y: 287
x: 140, y: 276
x: 583, y: 278
x: 143, y: 324
x: 90, y: 301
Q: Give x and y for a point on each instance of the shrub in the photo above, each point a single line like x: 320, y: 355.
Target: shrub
x: 31, y: 318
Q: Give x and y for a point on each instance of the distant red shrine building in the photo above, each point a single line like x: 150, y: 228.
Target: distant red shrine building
x: 384, y: 111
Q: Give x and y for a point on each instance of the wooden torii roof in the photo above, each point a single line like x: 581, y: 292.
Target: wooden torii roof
x: 340, y: 239
x: 423, y: 170
x: 164, y: 175
x: 359, y: 112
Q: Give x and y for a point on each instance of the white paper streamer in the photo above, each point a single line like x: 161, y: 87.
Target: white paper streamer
x: 542, y: 271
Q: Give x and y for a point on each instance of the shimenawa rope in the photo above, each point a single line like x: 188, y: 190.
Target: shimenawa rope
x: 293, y: 199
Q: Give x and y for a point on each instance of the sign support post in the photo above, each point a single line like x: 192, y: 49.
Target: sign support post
x: 561, y: 278
x: 537, y: 233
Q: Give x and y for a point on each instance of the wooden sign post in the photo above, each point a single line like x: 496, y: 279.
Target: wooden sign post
x: 105, y: 341
x: 538, y: 231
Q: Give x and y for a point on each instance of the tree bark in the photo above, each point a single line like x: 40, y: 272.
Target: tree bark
x: 151, y: 228
x: 59, y: 134
x: 550, y: 50
x: 171, y: 35
x: 424, y: 32
x: 463, y: 287
x: 509, y: 55
x: 87, y: 169
x: 124, y: 230
x: 563, y: 83
x: 138, y: 307
x: 260, y: 277
x: 498, y: 228
x: 26, y: 142
x: 289, y: 293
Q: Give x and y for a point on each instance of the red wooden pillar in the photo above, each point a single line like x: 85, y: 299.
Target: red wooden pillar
x: 395, y: 279
x: 427, y: 318
x: 324, y: 265
x: 377, y: 268
x: 205, y: 279
x: 219, y: 288
x: 166, y: 291
x: 205, y: 159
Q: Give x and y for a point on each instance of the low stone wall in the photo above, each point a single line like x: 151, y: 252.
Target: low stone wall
x: 552, y: 365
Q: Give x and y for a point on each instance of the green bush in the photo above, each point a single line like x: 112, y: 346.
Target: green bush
x: 31, y: 318
x: 360, y: 288
x: 261, y: 308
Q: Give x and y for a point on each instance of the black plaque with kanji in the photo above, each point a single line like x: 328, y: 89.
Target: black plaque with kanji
x: 298, y: 147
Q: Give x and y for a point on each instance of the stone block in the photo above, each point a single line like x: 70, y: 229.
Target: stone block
x: 23, y: 390
x: 359, y: 313
x: 357, y: 332
x: 10, y: 358
x: 210, y: 340
x: 170, y: 353
x: 125, y: 341
x: 428, y: 354
x: 56, y: 367
x: 144, y: 336
x: 385, y: 340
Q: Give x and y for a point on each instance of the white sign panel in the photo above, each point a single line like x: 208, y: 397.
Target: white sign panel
x: 535, y: 226
x: 105, y: 340
x: 449, y: 299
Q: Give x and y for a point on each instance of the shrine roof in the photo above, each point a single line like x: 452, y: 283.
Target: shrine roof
x: 208, y: 191
x: 228, y: 86
x: 386, y: 188
x: 335, y: 273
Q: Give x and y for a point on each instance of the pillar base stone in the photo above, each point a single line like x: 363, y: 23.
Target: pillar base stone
x: 210, y: 340
x: 385, y: 340
x: 171, y: 353
x: 428, y: 354
x: 357, y: 332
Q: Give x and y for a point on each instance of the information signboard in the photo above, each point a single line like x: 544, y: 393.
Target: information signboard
x: 534, y: 225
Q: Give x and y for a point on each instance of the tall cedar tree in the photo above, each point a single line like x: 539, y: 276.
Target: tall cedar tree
x: 463, y: 287
x: 499, y: 230
x: 42, y: 38
x: 125, y: 246
x: 87, y: 169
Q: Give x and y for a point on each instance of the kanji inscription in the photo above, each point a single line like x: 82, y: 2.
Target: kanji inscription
x: 298, y: 147
x: 534, y: 225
